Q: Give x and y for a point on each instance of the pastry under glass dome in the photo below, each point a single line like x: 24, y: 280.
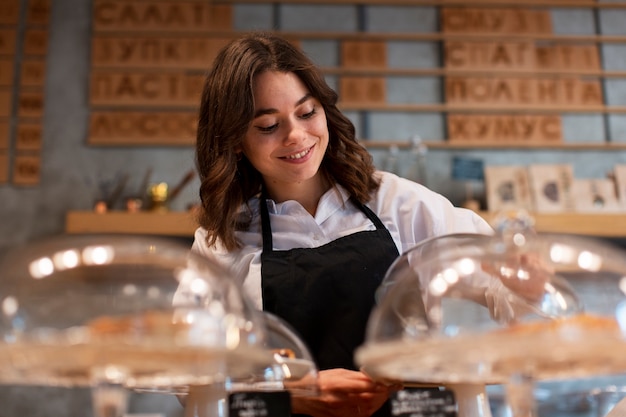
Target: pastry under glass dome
x: 123, y: 311
x: 512, y: 308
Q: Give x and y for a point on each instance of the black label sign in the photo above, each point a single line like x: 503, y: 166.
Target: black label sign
x: 259, y: 404
x: 423, y: 402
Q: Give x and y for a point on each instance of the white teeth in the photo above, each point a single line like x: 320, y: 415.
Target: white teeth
x: 299, y: 154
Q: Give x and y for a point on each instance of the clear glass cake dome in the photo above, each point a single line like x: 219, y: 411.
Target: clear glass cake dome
x: 292, y: 370
x: 512, y: 308
x: 123, y: 311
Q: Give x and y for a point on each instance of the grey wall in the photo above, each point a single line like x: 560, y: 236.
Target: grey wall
x: 75, y: 174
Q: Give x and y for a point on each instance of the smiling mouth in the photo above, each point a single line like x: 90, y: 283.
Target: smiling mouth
x: 299, y: 154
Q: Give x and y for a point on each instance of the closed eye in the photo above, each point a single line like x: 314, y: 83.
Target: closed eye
x: 268, y: 129
x: 309, y: 114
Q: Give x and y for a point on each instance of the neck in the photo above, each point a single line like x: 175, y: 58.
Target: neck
x: 306, y: 193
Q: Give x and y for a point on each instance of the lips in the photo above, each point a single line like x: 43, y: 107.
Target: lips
x: 299, y: 155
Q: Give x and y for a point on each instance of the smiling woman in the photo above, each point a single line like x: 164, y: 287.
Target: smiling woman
x: 293, y: 205
x: 287, y: 139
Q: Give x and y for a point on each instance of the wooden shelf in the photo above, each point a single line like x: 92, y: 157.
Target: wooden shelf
x: 590, y: 224
x: 471, y: 72
x: 449, y: 3
x: 497, y: 145
x: 183, y: 224
x: 175, y: 223
x: 481, y: 109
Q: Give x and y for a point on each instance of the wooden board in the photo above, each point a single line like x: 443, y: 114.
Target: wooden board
x: 8, y: 39
x: 26, y: 169
x: 4, y: 167
x: 364, y: 54
x: 495, y: 20
x: 5, y: 103
x: 142, y: 128
x: 566, y: 56
x: 162, y: 223
x: 28, y: 137
x: 145, y: 89
x: 38, y: 12
x: 180, y: 223
x: 499, y: 91
x: 9, y: 12
x: 33, y: 73
x: 519, y: 55
x: 161, y: 16
x: 4, y: 135
x: 489, y: 55
x: 35, y: 42
x: 362, y: 89
x: 7, y: 71
x: 30, y: 104
x: 526, y: 128
x: 155, y: 51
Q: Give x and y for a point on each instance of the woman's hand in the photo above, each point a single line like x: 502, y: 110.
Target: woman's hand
x: 344, y: 393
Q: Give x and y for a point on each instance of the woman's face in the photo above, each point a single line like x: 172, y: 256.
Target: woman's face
x: 288, y: 135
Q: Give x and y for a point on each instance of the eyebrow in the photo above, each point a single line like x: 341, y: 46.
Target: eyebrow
x: 261, y: 112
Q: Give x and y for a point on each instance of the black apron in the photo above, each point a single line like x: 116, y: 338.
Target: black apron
x: 327, y: 293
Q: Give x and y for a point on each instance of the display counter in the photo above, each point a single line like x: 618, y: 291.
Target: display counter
x: 180, y: 223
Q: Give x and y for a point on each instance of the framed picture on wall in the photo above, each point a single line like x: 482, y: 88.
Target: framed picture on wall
x: 507, y: 188
x: 551, y: 187
x: 595, y: 195
x: 619, y: 174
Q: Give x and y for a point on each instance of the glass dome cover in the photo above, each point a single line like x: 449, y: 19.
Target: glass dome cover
x: 135, y: 311
x: 481, y: 309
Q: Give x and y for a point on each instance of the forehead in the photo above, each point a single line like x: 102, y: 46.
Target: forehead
x: 274, y: 85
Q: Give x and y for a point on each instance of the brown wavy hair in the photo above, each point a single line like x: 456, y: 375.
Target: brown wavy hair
x: 228, y: 180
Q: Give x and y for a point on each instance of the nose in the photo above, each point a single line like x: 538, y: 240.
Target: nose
x: 295, y: 132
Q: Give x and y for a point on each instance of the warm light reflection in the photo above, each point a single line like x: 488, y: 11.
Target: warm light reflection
x: 9, y: 306
x: 153, y: 292
x: 466, y: 266
x: 286, y: 371
x: 216, y: 309
x: 438, y: 285
x: 519, y: 239
x: 523, y: 275
x: 507, y: 272
x: 233, y: 337
x: 451, y: 276
x: 66, y: 259
x: 620, y: 315
x: 589, y: 261
x: 562, y: 254
x: 129, y: 289
x: 557, y: 296
x: 98, y: 255
x: 41, y: 268
x: 199, y: 286
x: 622, y: 285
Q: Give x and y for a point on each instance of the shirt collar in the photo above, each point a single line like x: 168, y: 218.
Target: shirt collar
x: 333, y: 199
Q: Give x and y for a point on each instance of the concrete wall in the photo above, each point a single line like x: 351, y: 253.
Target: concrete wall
x: 75, y: 174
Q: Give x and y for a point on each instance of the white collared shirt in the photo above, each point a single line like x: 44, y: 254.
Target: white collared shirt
x: 410, y: 211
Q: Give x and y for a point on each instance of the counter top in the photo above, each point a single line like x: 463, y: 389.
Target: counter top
x: 172, y: 223
x: 180, y: 223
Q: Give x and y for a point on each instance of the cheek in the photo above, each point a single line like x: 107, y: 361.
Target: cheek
x: 321, y: 127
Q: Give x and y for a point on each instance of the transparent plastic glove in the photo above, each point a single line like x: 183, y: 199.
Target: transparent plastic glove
x: 526, y: 285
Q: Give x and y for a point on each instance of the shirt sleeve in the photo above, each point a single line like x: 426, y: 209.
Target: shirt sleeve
x: 413, y: 212
x: 244, y: 265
